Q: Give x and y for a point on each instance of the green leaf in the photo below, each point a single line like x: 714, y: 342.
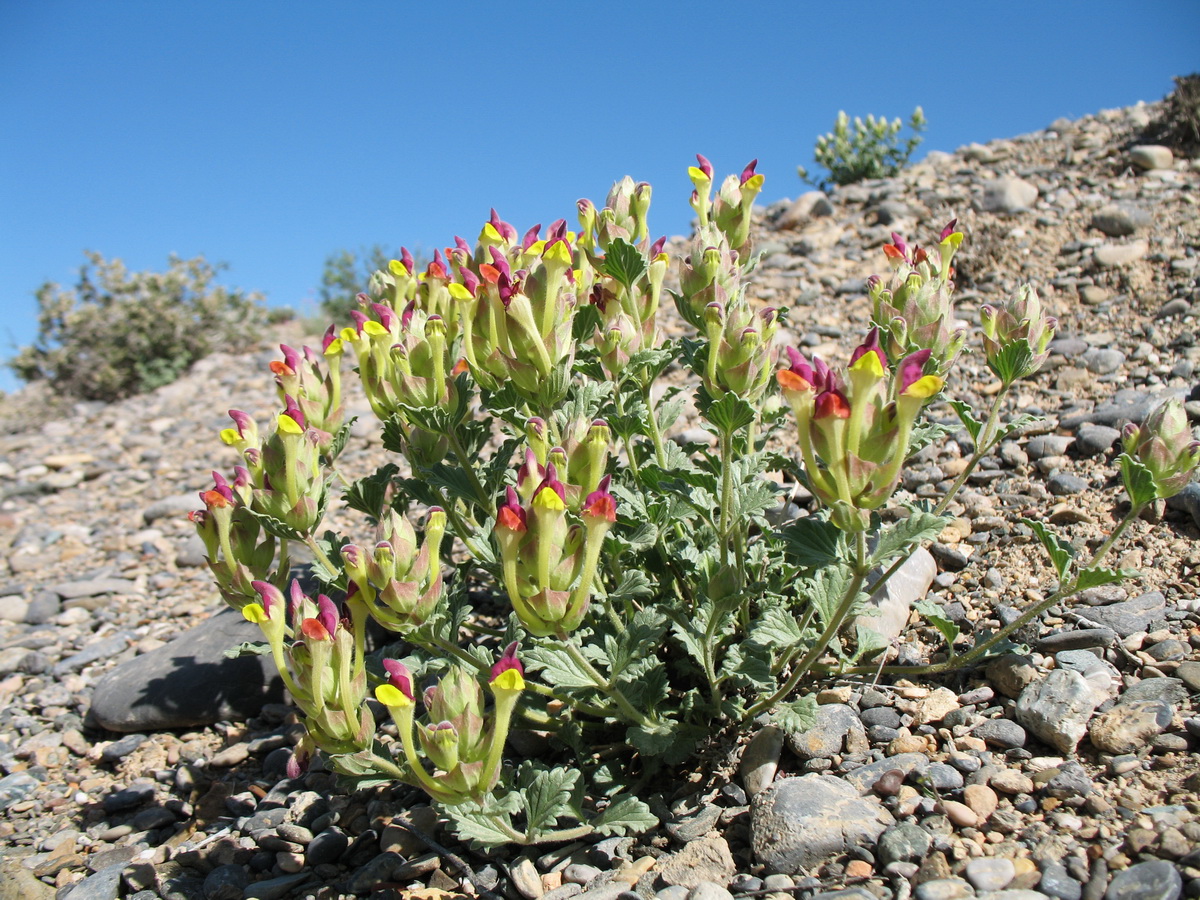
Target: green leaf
x: 625, y: 815
x: 924, y: 434
x: 1014, y: 361
x: 867, y: 642
x: 1016, y: 424
x: 558, y: 667
x: 973, y: 425
x: 748, y: 665
x: 812, y: 542
x: 1061, y: 553
x: 369, y: 494
x: 338, y: 444
x: 653, y: 359
x: 905, y: 535
x: 1139, y: 481
x: 547, y: 795
x: 479, y: 826
x: 669, y: 411
x: 651, y: 740
x: 797, y: 716
x: 728, y: 414
x: 1097, y: 576
x: 826, y: 591
x: 248, y: 648
x: 937, y: 618
x: 624, y: 262
x: 634, y: 583
x: 776, y: 627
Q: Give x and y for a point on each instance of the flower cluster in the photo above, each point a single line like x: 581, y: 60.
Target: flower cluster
x: 1165, y: 446
x: 463, y: 743
x: 320, y: 656
x: 914, y: 307
x: 1017, y: 336
x: 855, y: 426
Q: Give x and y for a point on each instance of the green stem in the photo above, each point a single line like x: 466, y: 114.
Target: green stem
x: 460, y: 454
x: 987, y: 437
x: 726, y: 492
x: 627, y: 440
x: 822, y: 642
x: 981, y: 650
x: 610, y: 690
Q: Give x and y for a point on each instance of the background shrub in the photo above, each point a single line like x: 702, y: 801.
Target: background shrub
x: 1178, y: 123
x: 118, y: 333
x: 871, y: 150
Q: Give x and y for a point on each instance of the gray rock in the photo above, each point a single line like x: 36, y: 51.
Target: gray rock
x: 17, y: 787
x: 94, y: 587
x: 1130, y: 616
x: 1130, y: 405
x: 1056, y: 709
x: 1101, y: 675
x: 864, y: 777
x: 1121, y: 254
x: 1120, y: 219
x: 102, y: 885
x: 118, y: 750
x: 761, y: 759
x: 706, y: 890
x: 944, y: 777
x: 835, y: 722
x: 1187, y: 501
x: 895, y: 599
x: 1188, y: 673
x: 1057, y: 882
x: 1044, y: 445
x: 1010, y: 674
x: 226, y: 883
x: 990, y: 873
x: 1172, y: 691
x: 707, y: 859
x: 326, y: 847
x: 1076, y: 639
x: 192, y: 553
x: 129, y: 798
x: 188, y: 681
x: 277, y: 888
x: 13, y: 608
x: 810, y: 205
x: 1127, y: 727
x: 1007, y: 195
x: 1095, y: 440
x: 44, y: 606
x: 1151, y: 156
x: 944, y: 889
x: 94, y: 652
x: 1064, y: 484
x: 1157, y: 880
x: 178, y: 506
x: 903, y: 842
x: 1003, y: 733
x: 1071, y: 780
x: 1103, y: 360
x: 798, y: 823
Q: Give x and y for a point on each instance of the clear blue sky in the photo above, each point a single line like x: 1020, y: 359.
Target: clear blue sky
x: 268, y: 135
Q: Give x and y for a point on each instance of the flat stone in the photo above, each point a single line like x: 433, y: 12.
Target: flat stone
x: 944, y: 889
x: 1095, y: 440
x: 1130, y: 616
x: 1121, y: 254
x: 990, y: 873
x: 276, y: 888
x: 798, y: 823
x: 13, y: 608
x: 1003, y: 733
x: 1076, y: 639
x: 1102, y: 360
x: 1010, y: 674
x: 94, y: 587
x: 1187, y: 501
x: 894, y: 600
x: 1120, y: 219
x: 1132, y: 405
x: 834, y: 722
x: 760, y: 760
x: 1157, y: 880
x: 1056, y: 709
x: 1007, y: 195
x: 102, y: 885
x: 1189, y: 674
x: 1127, y: 727
x: 864, y: 777
x: 1057, y: 882
x: 707, y: 859
x: 1151, y: 156
x: 94, y: 652
x: 1171, y: 691
x: 188, y: 681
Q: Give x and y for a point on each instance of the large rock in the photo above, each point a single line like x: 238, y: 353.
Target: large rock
x: 1056, y: 710
x: 1007, y: 195
x: 188, y: 681
x: 1130, y: 616
x: 895, y: 599
x: 799, y: 823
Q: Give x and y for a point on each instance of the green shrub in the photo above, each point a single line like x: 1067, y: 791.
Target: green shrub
x: 347, y: 274
x: 118, y: 333
x: 871, y: 150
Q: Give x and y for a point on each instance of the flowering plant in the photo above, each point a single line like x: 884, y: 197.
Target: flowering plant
x: 647, y: 594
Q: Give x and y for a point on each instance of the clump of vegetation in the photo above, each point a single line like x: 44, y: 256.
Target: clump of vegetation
x: 871, y: 150
x: 118, y: 333
x: 1178, y: 123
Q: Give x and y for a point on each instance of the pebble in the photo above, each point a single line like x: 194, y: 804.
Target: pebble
x: 1151, y: 156
x: 1128, y: 727
x: 1008, y: 195
x: 990, y: 874
x: 1003, y: 733
x: 944, y: 889
x: 1156, y: 880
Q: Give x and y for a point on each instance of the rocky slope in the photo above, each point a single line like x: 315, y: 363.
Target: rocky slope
x: 1070, y: 773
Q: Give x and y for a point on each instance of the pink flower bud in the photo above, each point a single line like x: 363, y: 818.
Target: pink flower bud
x: 399, y: 677
x: 508, y: 660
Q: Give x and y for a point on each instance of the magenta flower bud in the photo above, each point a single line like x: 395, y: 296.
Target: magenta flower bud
x: 657, y: 247
x: 270, y: 595
x: 948, y: 230
x: 470, y: 281
x: 245, y: 424
x: 387, y: 316
x: 297, y: 763
x: 508, y: 660
x: 505, y: 230
x: 327, y: 613
x: 222, y: 486
x: 358, y: 317
x: 748, y: 172
x: 290, y: 357
x: 293, y: 412
x: 406, y: 259
x: 296, y: 597
x: 511, y: 514
x: 705, y: 166
x: 870, y: 345
x: 399, y: 677
x: 912, y: 367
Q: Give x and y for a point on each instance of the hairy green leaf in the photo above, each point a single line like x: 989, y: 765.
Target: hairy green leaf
x: 248, y: 648
x: 796, y: 716
x: 1097, y: 576
x: 812, y: 542
x: 547, y: 795
x: 625, y: 815
x: 963, y: 410
x: 1139, y: 481
x: 937, y: 618
x: 369, y: 494
x: 557, y: 667
x: 624, y: 262
x: 905, y: 535
x: 1061, y: 552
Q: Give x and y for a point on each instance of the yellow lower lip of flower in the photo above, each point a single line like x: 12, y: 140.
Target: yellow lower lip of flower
x: 288, y: 425
x: 547, y: 498
x: 924, y: 387
x: 508, y: 680
x: 254, y: 613
x: 390, y: 695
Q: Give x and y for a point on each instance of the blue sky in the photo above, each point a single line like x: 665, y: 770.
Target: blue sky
x: 269, y: 135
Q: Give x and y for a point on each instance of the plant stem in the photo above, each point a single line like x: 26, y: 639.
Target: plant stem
x: 627, y: 440
x: 460, y: 454
x: 987, y: 437
x: 606, y: 687
x: 830, y: 631
x: 726, y: 492
x: 980, y: 650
